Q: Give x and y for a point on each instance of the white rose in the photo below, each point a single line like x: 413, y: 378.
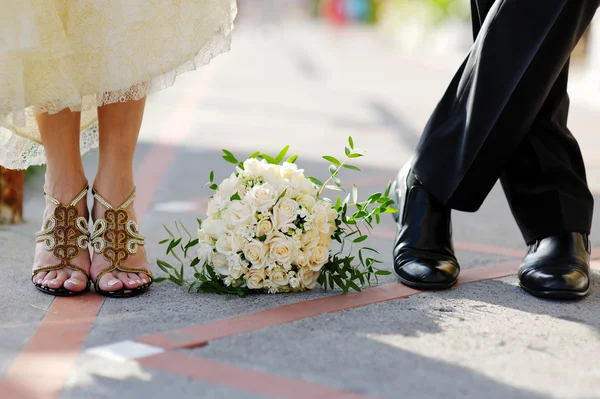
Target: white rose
x: 320, y: 220
x: 220, y: 264
x: 325, y: 240
x: 262, y: 196
x: 229, y: 187
x: 303, y: 257
x: 319, y: 257
x: 307, y: 277
x: 279, y: 277
x: 253, y: 167
x: 306, y: 200
x: 227, y: 244
x: 264, y: 227
x: 255, y: 252
x: 287, y: 170
x: 205, y: 252
x: 240, y: 214
x: 282, y: 249
x: 214, y: 227
x: 256, y: 279
x: 271, y: 174
x: 285, y: 212
x: 310, y: 239
x: 203, y: 237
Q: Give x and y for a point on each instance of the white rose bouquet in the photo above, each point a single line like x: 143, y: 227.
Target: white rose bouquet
x: 269, y: 228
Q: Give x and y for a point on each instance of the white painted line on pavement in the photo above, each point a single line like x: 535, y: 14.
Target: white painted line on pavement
x: 125, y: 350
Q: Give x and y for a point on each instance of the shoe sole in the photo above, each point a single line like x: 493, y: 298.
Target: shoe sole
x: 560, y: 295
x: 427, y: 286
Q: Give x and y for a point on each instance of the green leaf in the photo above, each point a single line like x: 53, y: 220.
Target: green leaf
x: 199, y: 223
x: 173, y: 244
x: 281, y: 154
x: 235, y: 197
x: 348, y: 166
x: 268, y: 158
x: 347, y: 151
x: 383, y: 272
x: 315, y: 180
x: 354, y: 194
x: 164, y: 241
x: 229, y: 157
x: 374, y: 197
x: 355, y: 155
x: 334, y: 188
x: 353, y: 285
x: 168, y: 231
x: 214, y: 187
x: 388, y: 189
x: 212, y: 176
x: 254, y: 155
x: 337, y: 181
x: 159, y: 279
x: 391, y: 210
x: 195, y: 261
x: 331, y: 159
x: 332, y: 169
x: 175, y: 280
x: 164, y: 266
x: 292, y: 159
x: 360, y: 239
x: 262, y: 238
x: 191, y: 243
x: 351, y: 142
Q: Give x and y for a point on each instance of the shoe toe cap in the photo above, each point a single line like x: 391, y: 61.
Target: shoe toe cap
x: 429, y: 272
x: 556, y: 279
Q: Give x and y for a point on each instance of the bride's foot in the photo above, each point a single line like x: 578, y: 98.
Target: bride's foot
x: 62, y: 262
x: 119, y: 264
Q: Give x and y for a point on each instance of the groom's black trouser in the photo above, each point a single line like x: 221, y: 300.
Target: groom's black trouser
x: 504, y: 116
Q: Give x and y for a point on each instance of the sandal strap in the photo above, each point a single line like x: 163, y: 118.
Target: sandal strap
x: 64, y: 233
x: 58, y: 267
x: 124, y: 270
x: 76, y: 200
x: 106, y: 233
x: 107, y: 204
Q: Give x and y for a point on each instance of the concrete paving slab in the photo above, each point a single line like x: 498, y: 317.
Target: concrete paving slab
x: 100, y: 378
x: 487, y: 339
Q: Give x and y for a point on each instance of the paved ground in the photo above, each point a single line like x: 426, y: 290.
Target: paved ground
x: 300, y: 83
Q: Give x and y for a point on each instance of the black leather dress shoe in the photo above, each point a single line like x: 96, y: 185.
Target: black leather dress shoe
x: 423, y: 251
x: 557, y: 267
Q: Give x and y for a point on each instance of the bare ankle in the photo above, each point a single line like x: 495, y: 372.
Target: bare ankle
x: 64, y: 186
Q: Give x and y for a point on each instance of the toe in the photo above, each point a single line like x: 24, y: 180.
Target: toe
x: 39, y: 278
x: 49, y: 277
x: 58, y: 281
x: 127, y: 281
x: 76, y: 282
x: 110, y: 283
x: 136, y: 278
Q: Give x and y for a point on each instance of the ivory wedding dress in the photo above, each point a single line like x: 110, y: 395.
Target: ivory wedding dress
x: 81, y: 54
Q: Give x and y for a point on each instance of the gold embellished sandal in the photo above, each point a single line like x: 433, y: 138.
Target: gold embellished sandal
x: 116, y: 237
x: 64, y: 233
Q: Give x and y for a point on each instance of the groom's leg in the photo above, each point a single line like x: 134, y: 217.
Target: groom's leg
x: 545, y: 181
x: 493, y: 101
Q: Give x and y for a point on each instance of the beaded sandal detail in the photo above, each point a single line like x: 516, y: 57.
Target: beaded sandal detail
x: 64, y: 233
x: 116, y: 237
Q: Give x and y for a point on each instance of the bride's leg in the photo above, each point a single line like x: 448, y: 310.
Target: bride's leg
x: 65, y: 179
x: 119, y: 125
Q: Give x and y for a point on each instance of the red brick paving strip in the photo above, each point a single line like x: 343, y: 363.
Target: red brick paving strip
x: 45, y: 363
x: 243, y: 379
x: 198, y: 335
